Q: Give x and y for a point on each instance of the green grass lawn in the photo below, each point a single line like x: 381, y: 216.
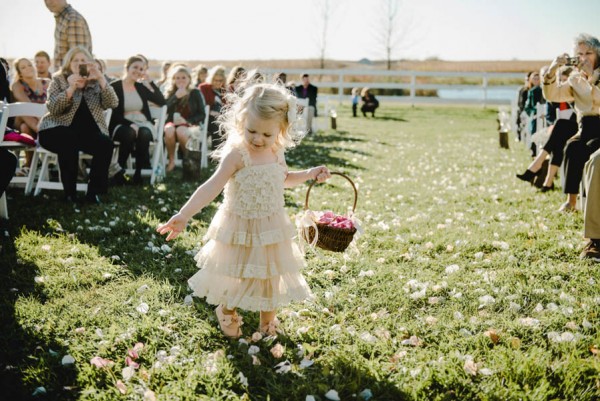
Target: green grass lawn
x: 468, y: 284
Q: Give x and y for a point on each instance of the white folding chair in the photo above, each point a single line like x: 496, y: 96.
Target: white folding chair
x: 21, y: 109
x: 3, y: 207
x: 204, y: 139
x: 303, y: 111
x: 44, y: 181
x: 157, y: 170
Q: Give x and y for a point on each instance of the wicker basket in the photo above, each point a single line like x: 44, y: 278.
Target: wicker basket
x: 331, y: 238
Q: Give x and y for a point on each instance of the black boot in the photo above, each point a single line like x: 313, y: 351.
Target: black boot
x: 527, y: 176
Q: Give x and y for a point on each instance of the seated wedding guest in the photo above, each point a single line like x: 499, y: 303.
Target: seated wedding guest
x: 131, y: 123
x: 235, y: 76
x: 27, y: 87
x: 369, y: 102
x: 591, y: 208
x: 8, y: 164
x: 77, y: 98
x: 101, y: 64
x: 42, y: 64
x: 560, y: 132
x: 521, y: 100
x: 199, y: 75
x: 534, y: 96
x: 581, y: 88
x: 213, y: 91
x: 185, y: 111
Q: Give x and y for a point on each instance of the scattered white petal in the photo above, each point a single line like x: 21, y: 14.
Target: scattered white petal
x: 305, y: 363
x: 143, y: 288
x: 529, y: 321
x: 128, y: 373
x: 39, y: 391
x: 470, y: 367
x: 332, y: 395
x: 188, y: 300
x: 452, y: 269
x: 367, y: 273
x: 283, y: 367
x: 143, y: 308
x: 67, y: 360
x: 243, y: 379
x: 413, y: 340
x: 253, y: 350
x: 486, y: 372
x: 368, y: 337
x: 149, y: 395
x: 310, y: 398
x: 38, y: 279
x: 46, y: 248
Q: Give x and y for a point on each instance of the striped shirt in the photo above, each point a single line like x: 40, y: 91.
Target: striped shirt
x: 71, y: 30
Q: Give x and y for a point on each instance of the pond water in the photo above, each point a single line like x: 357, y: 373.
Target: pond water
x: 507, y: 94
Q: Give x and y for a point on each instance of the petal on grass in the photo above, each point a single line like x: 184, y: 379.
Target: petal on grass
x: 332, y: 395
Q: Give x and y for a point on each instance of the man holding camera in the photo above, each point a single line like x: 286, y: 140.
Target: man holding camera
x: 71, y: 30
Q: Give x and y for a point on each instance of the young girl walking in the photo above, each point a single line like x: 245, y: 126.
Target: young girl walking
x: 250, y: 260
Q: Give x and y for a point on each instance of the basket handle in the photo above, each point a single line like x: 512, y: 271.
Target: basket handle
x: 333, y: 173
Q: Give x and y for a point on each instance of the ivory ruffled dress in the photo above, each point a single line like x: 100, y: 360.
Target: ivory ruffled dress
x: 250, y: 260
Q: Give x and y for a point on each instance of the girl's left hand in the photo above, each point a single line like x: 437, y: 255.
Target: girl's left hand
x: 173, y: 227
x: 320, y: 173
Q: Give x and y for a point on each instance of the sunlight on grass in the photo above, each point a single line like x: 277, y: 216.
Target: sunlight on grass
x: 467, y: 286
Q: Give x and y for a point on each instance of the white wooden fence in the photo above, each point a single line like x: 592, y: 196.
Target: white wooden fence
x: 337, y: 80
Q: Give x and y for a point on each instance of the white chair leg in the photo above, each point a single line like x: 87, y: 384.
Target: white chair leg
x: 3, y: 207
x: 44, y: 174
x: 32, y: 172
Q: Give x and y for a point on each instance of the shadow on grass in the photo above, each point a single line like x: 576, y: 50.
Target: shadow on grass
x: 23, y: 353
x: 24, y: 357
x: 284, y: 379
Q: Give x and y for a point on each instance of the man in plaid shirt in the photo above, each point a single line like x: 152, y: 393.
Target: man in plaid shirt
x: 71, y: 30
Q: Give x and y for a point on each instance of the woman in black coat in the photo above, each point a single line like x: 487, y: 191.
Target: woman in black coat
x: 131, y: 123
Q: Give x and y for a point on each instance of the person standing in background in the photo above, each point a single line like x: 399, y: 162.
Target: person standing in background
x: 71, y: 30
x: 308, y: 91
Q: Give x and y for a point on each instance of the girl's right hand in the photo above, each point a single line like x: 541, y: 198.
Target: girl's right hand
x: 173, y: 227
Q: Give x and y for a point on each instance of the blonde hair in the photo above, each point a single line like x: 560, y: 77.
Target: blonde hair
x: 66, y: 67
x: 16, y: 66
x: 217, y: 70
x: 364, y: 91
x: 170, y: 83
x: 266, y: 102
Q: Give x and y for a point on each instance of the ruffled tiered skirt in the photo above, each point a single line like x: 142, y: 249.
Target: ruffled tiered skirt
x: 251, y: 264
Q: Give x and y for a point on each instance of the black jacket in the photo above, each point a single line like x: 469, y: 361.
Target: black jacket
x: 118, y: 113
x: 311, y: 94
x: 196, y: 104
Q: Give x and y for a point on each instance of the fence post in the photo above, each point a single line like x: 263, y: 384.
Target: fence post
x: 340, y: 87
x: 485, y: 85
x: 413, y: 90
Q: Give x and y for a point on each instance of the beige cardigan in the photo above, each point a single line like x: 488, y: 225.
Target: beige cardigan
x: 62, y: 110
x: 585, y: 93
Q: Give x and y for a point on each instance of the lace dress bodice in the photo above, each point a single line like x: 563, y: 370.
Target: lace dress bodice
x: 255, y: 191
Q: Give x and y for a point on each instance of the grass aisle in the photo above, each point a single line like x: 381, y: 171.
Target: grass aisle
x: 468, y: 285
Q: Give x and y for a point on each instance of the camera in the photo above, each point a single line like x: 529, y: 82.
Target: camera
x: 572, y: 61
x: 83, y: 70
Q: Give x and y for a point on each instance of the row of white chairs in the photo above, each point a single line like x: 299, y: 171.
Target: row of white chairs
x: 36, y: 180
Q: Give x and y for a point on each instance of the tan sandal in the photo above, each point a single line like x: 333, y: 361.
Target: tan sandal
x: 271, y: 328
x: 230, y: 324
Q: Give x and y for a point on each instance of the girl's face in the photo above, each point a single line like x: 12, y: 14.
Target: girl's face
x: 25, y: 69
x: 202, y: 76
x: 78, y: 58
x: 181, y: 79
x: 135, y: 70
x: 260, y: 135
x: 587, y: 57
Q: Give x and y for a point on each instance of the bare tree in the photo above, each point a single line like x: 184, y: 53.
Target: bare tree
x: 391, y: 30
x: 325, y: 11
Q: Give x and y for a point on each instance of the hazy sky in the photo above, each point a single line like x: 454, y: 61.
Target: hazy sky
x: 281, y: 29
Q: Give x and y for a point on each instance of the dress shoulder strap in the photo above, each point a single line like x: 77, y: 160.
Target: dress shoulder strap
x: 245, y: 155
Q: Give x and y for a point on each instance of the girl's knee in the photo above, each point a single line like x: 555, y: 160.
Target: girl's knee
x: 144, y: 135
